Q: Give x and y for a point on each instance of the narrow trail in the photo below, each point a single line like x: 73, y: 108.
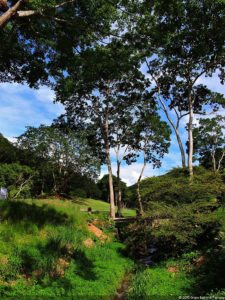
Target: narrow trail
x: 122, y: 290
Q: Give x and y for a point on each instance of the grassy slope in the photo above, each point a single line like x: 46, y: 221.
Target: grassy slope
x: 173, y: 187
x: 80, y: 203
x: 42, y: 251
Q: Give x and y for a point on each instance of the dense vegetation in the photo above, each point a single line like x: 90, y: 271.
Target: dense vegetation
x: 198, y: 271
x: 187, y: 235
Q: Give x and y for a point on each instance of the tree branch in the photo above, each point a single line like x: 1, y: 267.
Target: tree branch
x: 15, y: 12
x: 10, y: 13
x: 220, y: 161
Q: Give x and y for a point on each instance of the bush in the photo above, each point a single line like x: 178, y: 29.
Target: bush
x: 185, y: 228
x: 78, y: 193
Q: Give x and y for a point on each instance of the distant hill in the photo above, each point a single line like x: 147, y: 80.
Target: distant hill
x: 8, y: 153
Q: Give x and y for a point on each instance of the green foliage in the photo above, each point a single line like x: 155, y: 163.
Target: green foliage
x: 60, y: 156
x: 103, y: 185
x: 33, y: 53
x: 174, y: 188
x: 8, y: 151
x: 209, y: 140
x: 175, y: 230
x: 78, y: 192
x: 17, y: 178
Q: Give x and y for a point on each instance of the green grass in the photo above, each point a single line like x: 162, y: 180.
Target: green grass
x: 78, y: 204
x: 158, y: 282
x: 104, y: 206
x: 42, y: 252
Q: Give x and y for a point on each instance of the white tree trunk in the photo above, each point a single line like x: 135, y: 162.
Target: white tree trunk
x: 119, y: 195
x: 190, y: 137
x: 108, y: 162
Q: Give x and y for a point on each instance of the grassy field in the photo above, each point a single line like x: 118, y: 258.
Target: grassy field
x: 81, y: 204
x: 43, y: 251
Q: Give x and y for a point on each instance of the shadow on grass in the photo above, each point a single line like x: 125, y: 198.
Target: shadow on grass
x: 39, y: 215
x: 85, y: 267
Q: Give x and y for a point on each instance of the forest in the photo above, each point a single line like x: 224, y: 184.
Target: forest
x: 120, y: 194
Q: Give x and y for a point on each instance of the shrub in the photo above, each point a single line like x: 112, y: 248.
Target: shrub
x: 186, y: 227
x: 78, y: 193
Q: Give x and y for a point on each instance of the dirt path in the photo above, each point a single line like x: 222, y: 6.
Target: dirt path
x: 121, y: 292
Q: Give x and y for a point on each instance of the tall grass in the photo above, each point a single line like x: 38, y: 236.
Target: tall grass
x: 42, y: 253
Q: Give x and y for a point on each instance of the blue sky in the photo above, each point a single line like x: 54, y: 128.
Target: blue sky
x: 21, y: 106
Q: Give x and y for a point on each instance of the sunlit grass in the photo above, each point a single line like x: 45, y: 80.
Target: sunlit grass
x: 31, y: 252
x: 71, y: 206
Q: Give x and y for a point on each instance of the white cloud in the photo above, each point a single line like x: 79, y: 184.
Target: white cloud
x: 130, y: 174
x: 11, y: 139
x: 212, y: 83
x: 21, y: 106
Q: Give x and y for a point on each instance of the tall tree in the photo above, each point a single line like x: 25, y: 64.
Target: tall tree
x: 123, y: 144
x: 210, y: 138
x: 58, y: 154
x: 178, y: 43
x: 8, y: 153
x: 106, y: 84
x: 152, y: 142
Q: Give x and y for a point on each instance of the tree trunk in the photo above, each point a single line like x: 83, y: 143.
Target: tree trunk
x: 54, y: 182
x: 10, y: 13
x: 182, y: 152
x: 175, y: 128
x: 139, y: 200
x: 119, y: 193
x: 190, y: 138
x: 108, y: 162
x: 220, y: 161
x: 111, y: 191
x: 42, y: 187
x: 213, y: 161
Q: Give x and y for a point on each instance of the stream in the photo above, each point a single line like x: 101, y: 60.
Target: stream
x: 145, y: 261
x: 121, y: 292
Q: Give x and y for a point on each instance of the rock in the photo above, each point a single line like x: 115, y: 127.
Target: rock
x: 173, y: 269
x: 59, y: 269
x: 200, y: 261
x: 4, y: 260
x: 88, y: 243
x: 97, y: 232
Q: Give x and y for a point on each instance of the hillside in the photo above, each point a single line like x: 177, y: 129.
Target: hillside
x: 47, y: 250
x: 174, y: 187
